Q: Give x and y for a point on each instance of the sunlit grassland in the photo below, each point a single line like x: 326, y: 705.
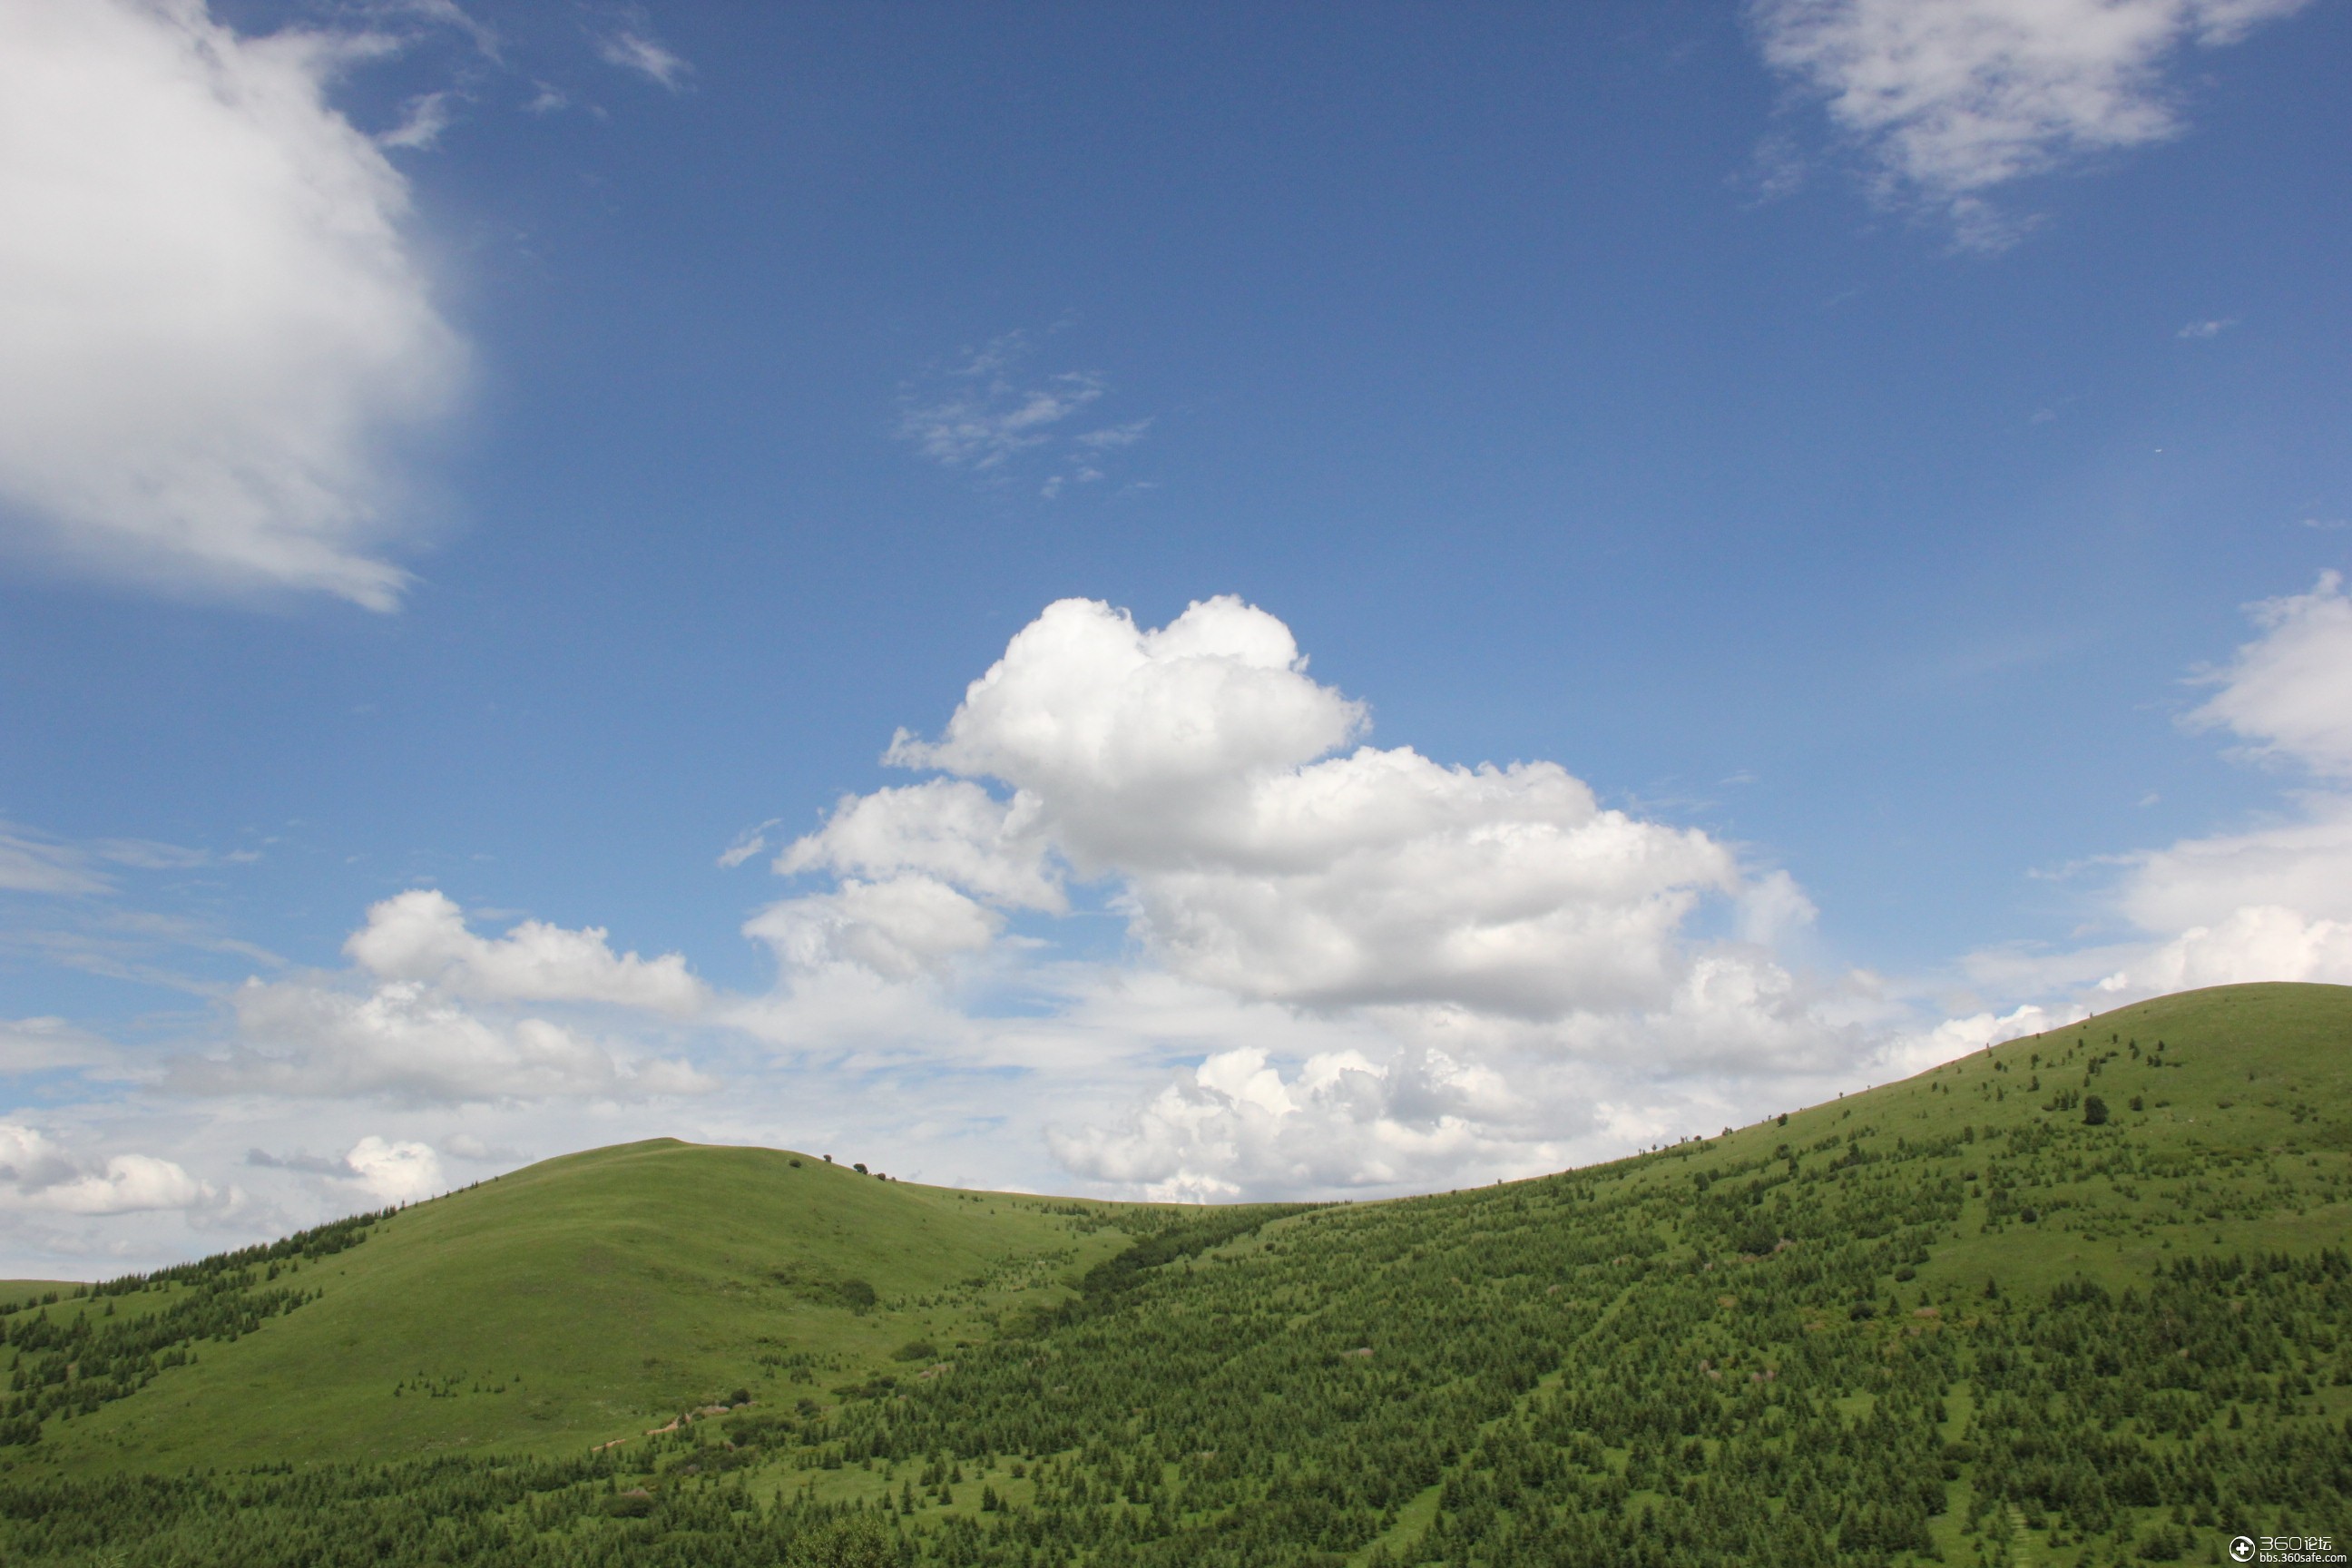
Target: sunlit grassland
x: 2078, y: 1299
x: 589, y: 1298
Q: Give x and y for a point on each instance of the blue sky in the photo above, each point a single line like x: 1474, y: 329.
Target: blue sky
x: 1873, y: 466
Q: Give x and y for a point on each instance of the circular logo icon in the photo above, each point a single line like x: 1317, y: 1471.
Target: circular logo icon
x: 2242, y: 1550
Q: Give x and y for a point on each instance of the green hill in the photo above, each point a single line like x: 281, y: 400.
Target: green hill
x: 583, y: 1299
x: 2082, y: 1299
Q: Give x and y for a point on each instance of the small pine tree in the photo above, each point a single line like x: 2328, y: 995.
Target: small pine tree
x: 2094, y: 1111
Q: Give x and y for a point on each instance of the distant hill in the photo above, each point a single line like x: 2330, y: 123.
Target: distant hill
x: 583, y: 1300
x: 2080, y: 1299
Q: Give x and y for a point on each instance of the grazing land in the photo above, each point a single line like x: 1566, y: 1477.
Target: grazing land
x: 2083, y: 1299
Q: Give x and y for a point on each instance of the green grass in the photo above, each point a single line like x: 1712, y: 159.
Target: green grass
x: 27, y: 1290
x: 1948, y: 1311
x: 2253, y: 1101
x: 591, y: 1297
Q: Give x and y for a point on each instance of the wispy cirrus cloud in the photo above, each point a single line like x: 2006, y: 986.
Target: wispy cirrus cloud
x: 32, y: 861
x: 990, y: 416
x: 31, y: 864
x: 1948, y: 99
x: 634, y: 48
x: 449, y: 14
x: 422, y: 121
x: 749, y: 842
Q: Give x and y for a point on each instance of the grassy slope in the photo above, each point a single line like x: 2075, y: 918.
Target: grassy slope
x: 2252, y: 1075
x: 624, y: 1283
x: 26, y: 1290
x: 602, y: 1292
x: 2253, y: 1104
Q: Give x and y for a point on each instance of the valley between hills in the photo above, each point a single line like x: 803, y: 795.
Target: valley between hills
x: 2082, y: 1299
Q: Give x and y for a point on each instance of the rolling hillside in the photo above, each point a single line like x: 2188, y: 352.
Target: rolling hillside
x: 585, y: 1299
x: 2082, y: 1298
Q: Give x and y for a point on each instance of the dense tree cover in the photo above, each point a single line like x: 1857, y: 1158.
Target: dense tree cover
x: 1734, y: 1354
x: 532, y: 1514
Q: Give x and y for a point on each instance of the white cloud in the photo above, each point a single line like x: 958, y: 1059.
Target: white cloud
x: 210, y: 318
x: 950, y: 827
x: 2255, y: 943
x: 448, y: 14
x: 2290, y: 691
x: 1114, y: 437
x: 421, y: 122
x: 2268, y: 901
x: 405, y: 1041
x: 1190, y: 765
x: 1454, y: 963
x: 984, y: 413
x: 1773, y: 908
x: 1403, y: 1099
x: 749, y: 842
x: 2213, y: 329
x: 2303, y: 863
x: 148, y: 855
x: 1235, y: 1126
x: 988, y: 425
x: 31, y: 864
x: 633, y: 48
x: 1956, y: 1037
x: 421, y: 935
x: 35, y: 862
x: 390, y: 1171
x: 44, y: 1045
x: 1129, y: 735
x: 1952, y: 98
x: 429, y: 1016
x: 37, y: 1173
x: 2219, y: 903
x: 899, y: 929
x: 30, y: 1159
x: 394, y: 1172
x: 130, y: 1183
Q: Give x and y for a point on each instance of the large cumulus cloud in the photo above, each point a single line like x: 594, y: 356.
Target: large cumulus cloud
x: 430, y: 1016
x: 1466, y: 929
x: 1192, y: 767
x: 421, y: 935
x: 213, y: 321
x: 37, y: 1171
